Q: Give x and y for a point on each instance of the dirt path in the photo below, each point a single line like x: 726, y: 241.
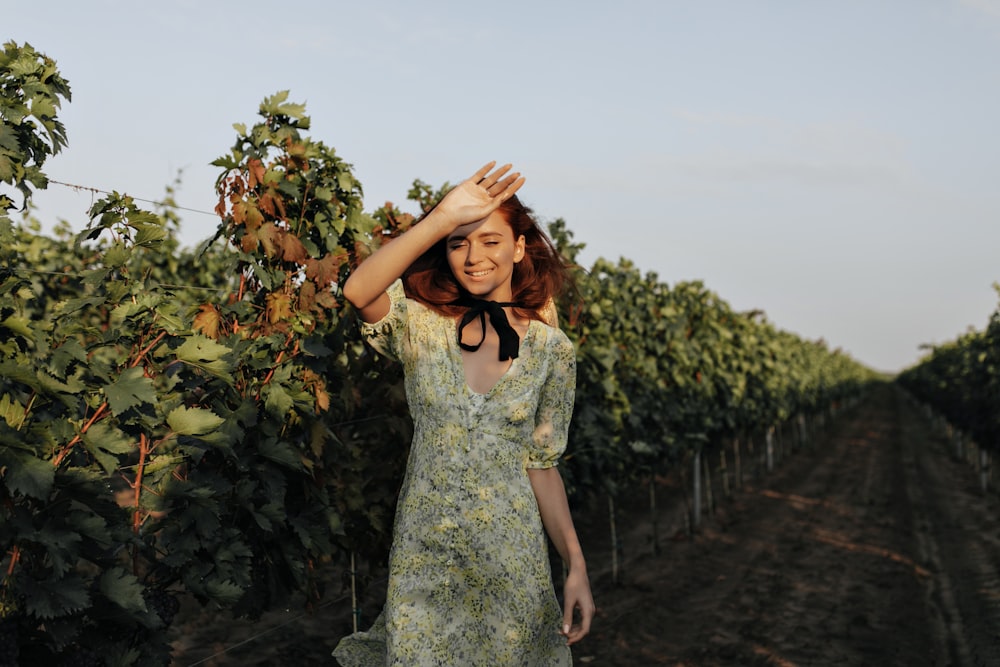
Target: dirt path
x: 871, y: 548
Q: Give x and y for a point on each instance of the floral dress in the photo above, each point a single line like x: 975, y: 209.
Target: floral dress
x: 469, y: 579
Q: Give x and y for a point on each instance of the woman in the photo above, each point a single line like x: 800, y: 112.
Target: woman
x: 490, y: 387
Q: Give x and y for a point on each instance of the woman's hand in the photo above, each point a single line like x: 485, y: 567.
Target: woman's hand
x: 478, y: 196
x: 577, y: 597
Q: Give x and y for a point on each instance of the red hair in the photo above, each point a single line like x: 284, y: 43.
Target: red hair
x: 540, y: 276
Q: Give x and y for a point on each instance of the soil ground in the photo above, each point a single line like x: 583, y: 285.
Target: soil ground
x: 871, y: 546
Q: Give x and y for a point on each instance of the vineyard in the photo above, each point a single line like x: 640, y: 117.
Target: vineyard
x: 188, y: 429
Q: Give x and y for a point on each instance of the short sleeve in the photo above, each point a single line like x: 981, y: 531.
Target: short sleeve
x: 386, y: 334
x: 555, y: 405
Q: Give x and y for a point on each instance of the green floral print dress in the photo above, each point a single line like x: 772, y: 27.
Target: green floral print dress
x: 469, y: 578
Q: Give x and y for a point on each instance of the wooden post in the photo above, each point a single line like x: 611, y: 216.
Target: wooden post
x: 737, y: 464
x: 779, y: 444
x: 769, y: 448
x: 687, y: 502
x: 355, y: 609
x: 654, y: 519
x: 724, y: 470
x: 614, y: 540
x: 709, y: 498
x: 696, y: 490
x: 984, y: 470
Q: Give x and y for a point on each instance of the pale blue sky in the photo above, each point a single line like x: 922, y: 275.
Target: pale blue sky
x: 836, y: 164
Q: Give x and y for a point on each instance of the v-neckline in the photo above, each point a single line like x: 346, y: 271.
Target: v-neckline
x: 460, y: 363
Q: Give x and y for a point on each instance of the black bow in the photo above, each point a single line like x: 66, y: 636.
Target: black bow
x: 510, y: 342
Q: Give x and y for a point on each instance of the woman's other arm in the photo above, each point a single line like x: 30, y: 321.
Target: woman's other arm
x: 552, y: 505
x: 471, y: 200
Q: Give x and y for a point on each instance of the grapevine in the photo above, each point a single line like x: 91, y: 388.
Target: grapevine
x: 207, y: 424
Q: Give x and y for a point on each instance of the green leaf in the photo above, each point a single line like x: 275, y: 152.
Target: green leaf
x: 72, y: 386
x: 125, y: 311
x: 11, y: 411
x: 27, y: 474
x: 171, y: 323
x: 280, y: 452
x: 123, y: 588
x: 61, y: 545
x: 91, y: 526
x: 314, y: 346
x: 122, y: 656
x: 277, y: 400
x: 149, y: 234
x: 18, y: 325
x: 68, y: 353
x: 117, y: 255
x: 71, y: 306
x: 49, y: 598
x: 132, y: 388
x: 104, y: 442
x: 224, y: 592
x: 206, y: 354
x: 193, y: 421
x: 13, y: 371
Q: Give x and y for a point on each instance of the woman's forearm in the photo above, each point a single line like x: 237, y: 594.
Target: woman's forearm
x: 554, y: 509
x: 369, y: 281
x: 552, y: 505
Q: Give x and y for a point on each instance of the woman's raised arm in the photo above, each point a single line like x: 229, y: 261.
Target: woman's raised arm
x: 471, y: 200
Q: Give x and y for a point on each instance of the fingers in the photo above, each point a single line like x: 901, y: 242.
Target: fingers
x: 574, y: 632
x: 568, y: 606
x: 485, y: 169
x: 577, y: 631
x: 505, y: 188
x: 488, y: 179
x: 481, y: 194
x: 498, y: 183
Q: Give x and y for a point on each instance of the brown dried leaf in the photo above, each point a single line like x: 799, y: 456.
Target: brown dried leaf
x: 325, y: 271
x: 292, y: 249
x: 253, y: 214
x: 207, y: 321
x: 326, y: 300
x: 322, y: 398
x: 239, y: 212
x: 266, y: 203
x: 255, y: 172
x: 279, y: 307
x: 249, y: 241
x: 307, y: 297
x: 269, y: 234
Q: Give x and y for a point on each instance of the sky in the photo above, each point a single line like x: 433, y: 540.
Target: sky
x: 835, y: 164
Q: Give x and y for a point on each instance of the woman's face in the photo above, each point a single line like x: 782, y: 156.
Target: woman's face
x: 482, y: 256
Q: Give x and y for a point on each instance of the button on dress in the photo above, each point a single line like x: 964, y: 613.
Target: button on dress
x: 469, y: 578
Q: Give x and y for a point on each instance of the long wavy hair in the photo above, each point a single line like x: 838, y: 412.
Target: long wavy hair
x: 538, y: 279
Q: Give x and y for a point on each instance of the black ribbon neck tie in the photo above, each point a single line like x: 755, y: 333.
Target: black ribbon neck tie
x: 510, y: 342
